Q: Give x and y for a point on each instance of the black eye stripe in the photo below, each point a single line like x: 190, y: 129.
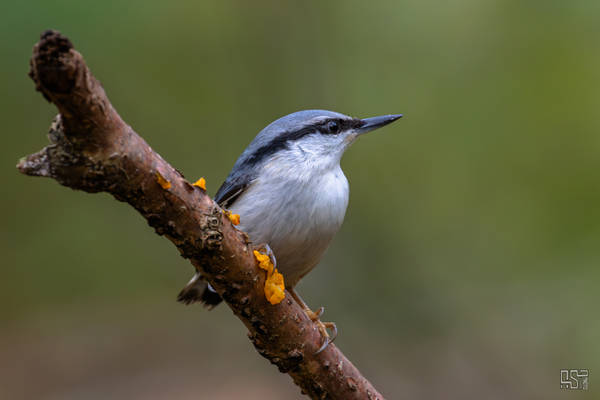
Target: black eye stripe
x: 282, y: 141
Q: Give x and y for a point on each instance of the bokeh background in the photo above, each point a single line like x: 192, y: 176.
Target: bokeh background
x: 468, y: 264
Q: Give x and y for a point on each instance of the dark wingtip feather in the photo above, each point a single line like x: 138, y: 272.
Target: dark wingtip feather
x: 188, y: 296
x: 199, y: 291
x: 210, y: 298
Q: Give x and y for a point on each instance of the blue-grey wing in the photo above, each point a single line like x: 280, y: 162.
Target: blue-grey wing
x: 244, y: 170
x: 232, y: 188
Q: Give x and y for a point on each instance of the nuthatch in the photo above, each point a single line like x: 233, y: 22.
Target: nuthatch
x: 290, y: 193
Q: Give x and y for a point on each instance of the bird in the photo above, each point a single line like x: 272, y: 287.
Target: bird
x: 291, y: 194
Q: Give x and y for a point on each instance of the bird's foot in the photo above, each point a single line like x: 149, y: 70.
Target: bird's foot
x: 315, y: 316
x: 323, y: 327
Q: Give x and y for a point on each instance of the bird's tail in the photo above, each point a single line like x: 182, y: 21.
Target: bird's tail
x: 198, y: 290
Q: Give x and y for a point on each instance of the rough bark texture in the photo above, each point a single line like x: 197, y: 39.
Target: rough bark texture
x: 93, y: 149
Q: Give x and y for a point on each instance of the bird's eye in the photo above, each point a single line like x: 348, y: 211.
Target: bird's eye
x: 333, y: 127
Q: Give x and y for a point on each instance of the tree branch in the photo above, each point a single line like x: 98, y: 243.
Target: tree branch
x: 93, y: 149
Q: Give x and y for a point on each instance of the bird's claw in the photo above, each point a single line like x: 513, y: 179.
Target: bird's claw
x: 323, y: 346
x: 323, y: 326
x: 270, y: 253
x: 315, y: 315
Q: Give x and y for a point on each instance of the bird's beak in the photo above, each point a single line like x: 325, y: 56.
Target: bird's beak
x: 370, y: 124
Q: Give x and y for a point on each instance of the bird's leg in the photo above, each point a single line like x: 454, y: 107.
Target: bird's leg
x: 315, y: 317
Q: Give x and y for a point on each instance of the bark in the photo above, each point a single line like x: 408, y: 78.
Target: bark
x: 93, y: 149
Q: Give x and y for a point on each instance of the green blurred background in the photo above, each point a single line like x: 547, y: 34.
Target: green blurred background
x: 467, y: 266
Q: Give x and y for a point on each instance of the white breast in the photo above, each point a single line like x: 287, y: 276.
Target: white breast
x: 296, y: 210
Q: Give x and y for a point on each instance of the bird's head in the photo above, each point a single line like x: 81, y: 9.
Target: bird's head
x: 315, y: 136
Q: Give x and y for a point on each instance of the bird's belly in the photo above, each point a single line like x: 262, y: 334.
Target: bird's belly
x: 297, y: 221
